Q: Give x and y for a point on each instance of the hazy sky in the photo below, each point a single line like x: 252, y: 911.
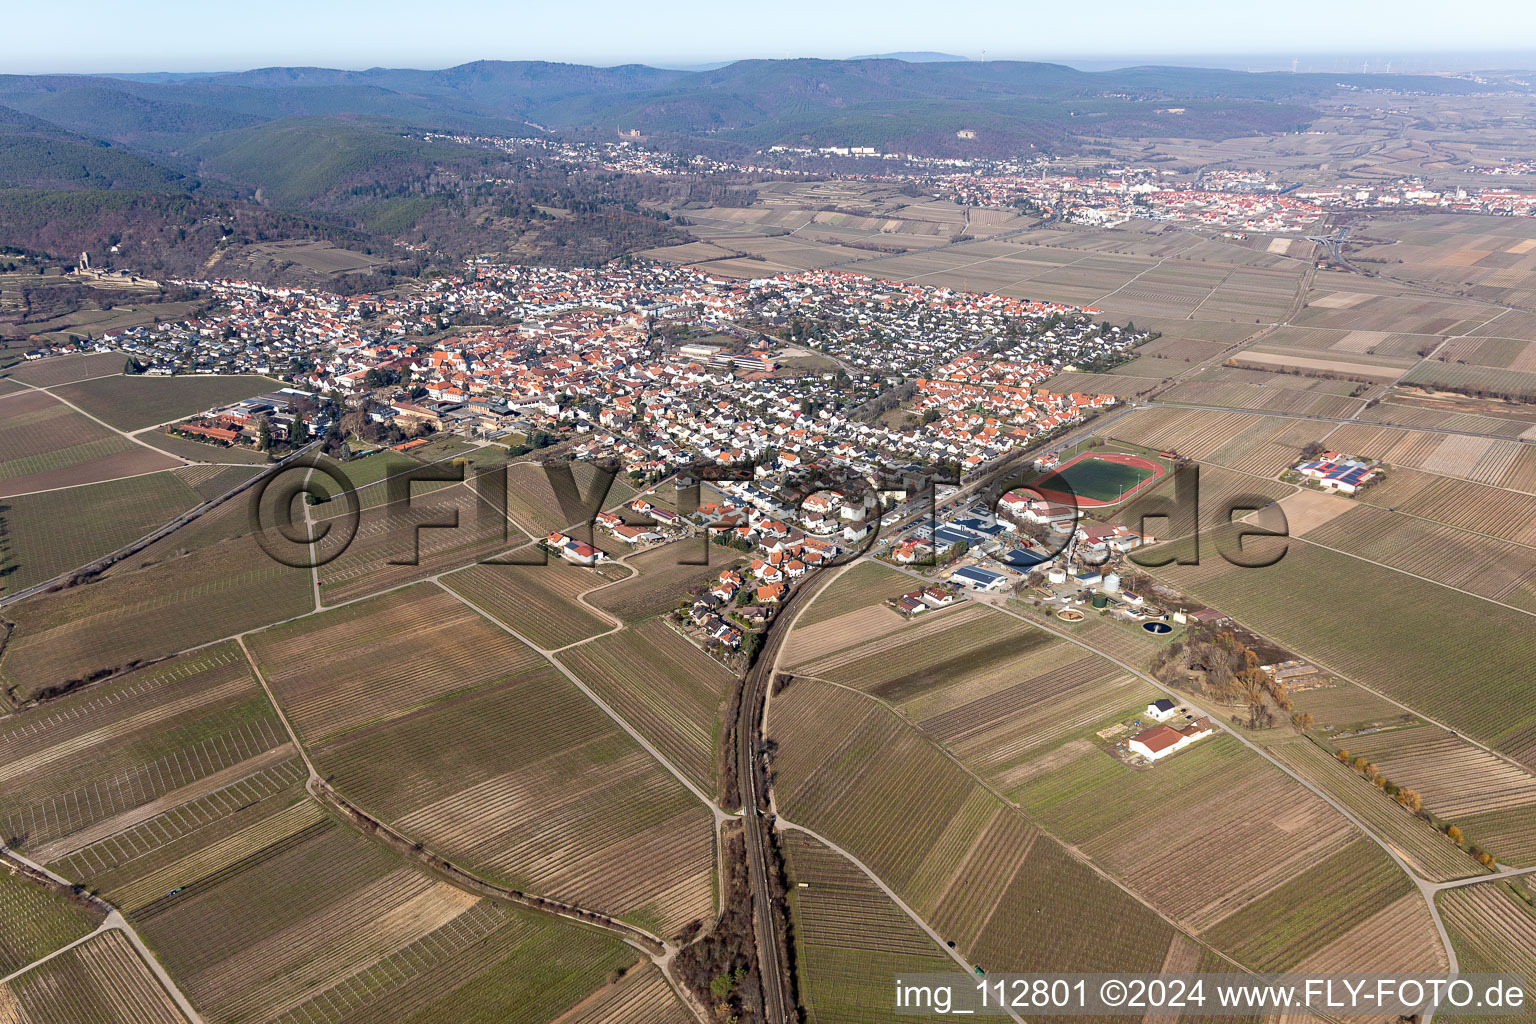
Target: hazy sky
x: 179, y: 35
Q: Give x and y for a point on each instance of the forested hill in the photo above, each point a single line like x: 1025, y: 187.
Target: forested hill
x: 893, y: 103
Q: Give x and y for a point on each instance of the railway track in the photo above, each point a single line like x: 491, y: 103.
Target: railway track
x: 779, y: 1005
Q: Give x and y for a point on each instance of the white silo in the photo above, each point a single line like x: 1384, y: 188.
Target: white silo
x: 1111, y: 583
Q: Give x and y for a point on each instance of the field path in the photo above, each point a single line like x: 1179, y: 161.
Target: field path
x: 785, y: 825
x: 101, y: 422
x: 660, y: 951
x: 635, y: 734
x: 114, y: 921
x: 1426, y: 888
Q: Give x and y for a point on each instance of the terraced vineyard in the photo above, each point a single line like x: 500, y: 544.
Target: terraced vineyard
x: 382, y: 658
x: 541, y: 790
x: 102, y: 981
x: 669, y: 690
x: 538, y: 601
x: 852, y: 771
x: 851, y: 940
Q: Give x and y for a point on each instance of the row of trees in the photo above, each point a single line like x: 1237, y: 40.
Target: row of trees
x: 1410, y: 799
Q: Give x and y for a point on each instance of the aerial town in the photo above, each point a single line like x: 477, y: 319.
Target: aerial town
x: 725, y: 533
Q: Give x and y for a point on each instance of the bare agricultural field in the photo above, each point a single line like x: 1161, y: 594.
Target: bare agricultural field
x: 1307, y: 510
x: 380, y: 658
x: 55, y: 531
x: 542, y: 790
x: 537, y: 601
x: 855, y: 773
x: 664, y: 686
x: 133, y: 402
x: 850, y: 938
x: 102, y: 980
x: 144, y: 614
x: 56, y: 370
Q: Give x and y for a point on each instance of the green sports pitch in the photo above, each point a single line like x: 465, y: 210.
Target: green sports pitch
x: 1100, y: 478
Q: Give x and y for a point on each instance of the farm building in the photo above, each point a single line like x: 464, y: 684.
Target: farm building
x: 1161, y: 709
x: 979, y: 579
x: 1336, y: 472
x: 1162, y: 740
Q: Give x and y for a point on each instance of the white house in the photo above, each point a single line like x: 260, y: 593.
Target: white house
x: 1162, y: 740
